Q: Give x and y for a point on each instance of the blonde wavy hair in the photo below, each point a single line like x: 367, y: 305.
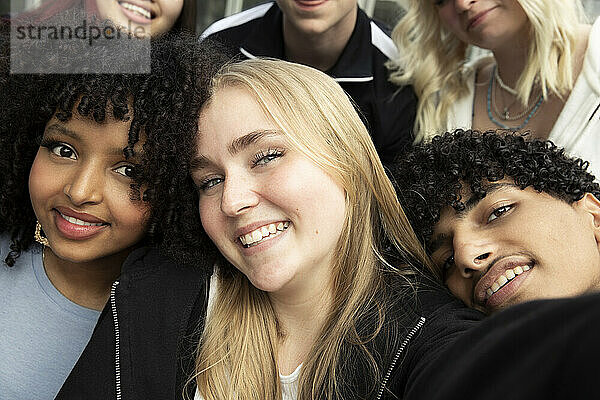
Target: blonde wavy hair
x: 238, y: 350
x: 433, y: 59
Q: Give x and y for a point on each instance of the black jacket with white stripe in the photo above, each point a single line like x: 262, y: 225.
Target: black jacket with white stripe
x: 388, y: 111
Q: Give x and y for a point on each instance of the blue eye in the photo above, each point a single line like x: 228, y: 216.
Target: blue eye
x: 126, y: 170
x: 263, y: 158
x: 209, y: 183
x: 498, y: 212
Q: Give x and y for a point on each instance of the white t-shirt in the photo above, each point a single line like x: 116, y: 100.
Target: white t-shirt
x: 289, y: 386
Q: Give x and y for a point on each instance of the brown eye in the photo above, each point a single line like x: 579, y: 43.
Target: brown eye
x: 126, y: 170
x: 498, y: 212
x: 63, y: 150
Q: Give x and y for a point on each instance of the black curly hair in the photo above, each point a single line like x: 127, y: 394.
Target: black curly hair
x: 159, y: 104
x: 430, y: 177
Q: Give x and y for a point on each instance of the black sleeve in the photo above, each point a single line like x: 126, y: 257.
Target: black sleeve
x: 539, y: 350
x: 444, y: 319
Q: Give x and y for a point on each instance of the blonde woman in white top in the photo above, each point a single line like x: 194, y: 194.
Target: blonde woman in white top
x: 542, y: 77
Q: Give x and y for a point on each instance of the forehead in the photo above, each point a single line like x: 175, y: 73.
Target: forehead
x: 231, y: 112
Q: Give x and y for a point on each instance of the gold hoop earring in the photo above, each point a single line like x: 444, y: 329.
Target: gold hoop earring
x: 39, y: 236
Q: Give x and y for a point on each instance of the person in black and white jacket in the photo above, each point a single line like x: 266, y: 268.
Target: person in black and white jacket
x: 338, y: 38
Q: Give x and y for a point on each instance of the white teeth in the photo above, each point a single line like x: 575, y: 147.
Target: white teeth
x: 138, y: 10
x: 510, y: 274
x: 263, y: 232
x: 502, y: 280
x: 76, y: 221
x: 518, y: 271
x: 505, y: 278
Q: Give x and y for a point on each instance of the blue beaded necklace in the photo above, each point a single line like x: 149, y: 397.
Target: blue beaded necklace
x: 500, y: 124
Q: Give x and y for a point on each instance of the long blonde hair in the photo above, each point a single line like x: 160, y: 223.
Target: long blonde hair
x: 433, y: 59
x: 238, y: 351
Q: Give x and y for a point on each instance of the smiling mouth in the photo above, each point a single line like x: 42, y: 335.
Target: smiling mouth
x: 136, y: 10
x: 263, y: 233
x: 80, y: 222
x: 505, y: 278
x: 477, y: 19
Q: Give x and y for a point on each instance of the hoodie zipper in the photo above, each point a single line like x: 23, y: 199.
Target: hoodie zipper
x: 113, y: 306
x: 398, y: 354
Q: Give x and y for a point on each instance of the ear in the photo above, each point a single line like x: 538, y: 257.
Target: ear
x: 590, y: 205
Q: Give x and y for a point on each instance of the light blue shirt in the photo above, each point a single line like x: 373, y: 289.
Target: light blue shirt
x: 42, y: 333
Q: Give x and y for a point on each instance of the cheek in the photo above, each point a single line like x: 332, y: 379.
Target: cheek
x: 209, y: 211
x: 40, y: 182
x: 109, y: 10
x: 130, y: 214
x: 460, y: 287
x: 317, y: 200
x: 171, y: 9
x: 449, y: 19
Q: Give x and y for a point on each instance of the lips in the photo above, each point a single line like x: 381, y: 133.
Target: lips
x: 136, y: 12
x: 309, y: 4
x: 478, y: 18
x: 74, y: 225
x: 503, y: 274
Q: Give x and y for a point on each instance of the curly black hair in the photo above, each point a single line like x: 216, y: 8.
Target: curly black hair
x: 430, y: 177
x: 159, y: 104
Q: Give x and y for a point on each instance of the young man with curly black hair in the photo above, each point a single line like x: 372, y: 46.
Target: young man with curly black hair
x: 506, y: 219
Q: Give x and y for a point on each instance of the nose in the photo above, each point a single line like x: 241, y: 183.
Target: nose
x: 463, y: 5
x: 472, y: 253
x: 85, y: 185
x: 239, y: 195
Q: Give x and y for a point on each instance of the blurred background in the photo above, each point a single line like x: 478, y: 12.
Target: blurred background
x: 386, y: 11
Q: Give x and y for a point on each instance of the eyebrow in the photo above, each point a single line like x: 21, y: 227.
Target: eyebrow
x: 490, y: 188
x: 60, y: 129
x: 63, y: 131
x: 239, y: 144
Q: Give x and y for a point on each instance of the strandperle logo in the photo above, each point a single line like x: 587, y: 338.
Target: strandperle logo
x: 89, y: 32
x: 73, y: 43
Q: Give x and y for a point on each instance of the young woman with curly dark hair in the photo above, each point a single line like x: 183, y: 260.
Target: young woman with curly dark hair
x: 506, y: 219
x: 87, y: 310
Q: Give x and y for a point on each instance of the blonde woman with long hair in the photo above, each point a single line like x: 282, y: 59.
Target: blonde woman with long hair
x: 543, y: 75
x: 316, y: 293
